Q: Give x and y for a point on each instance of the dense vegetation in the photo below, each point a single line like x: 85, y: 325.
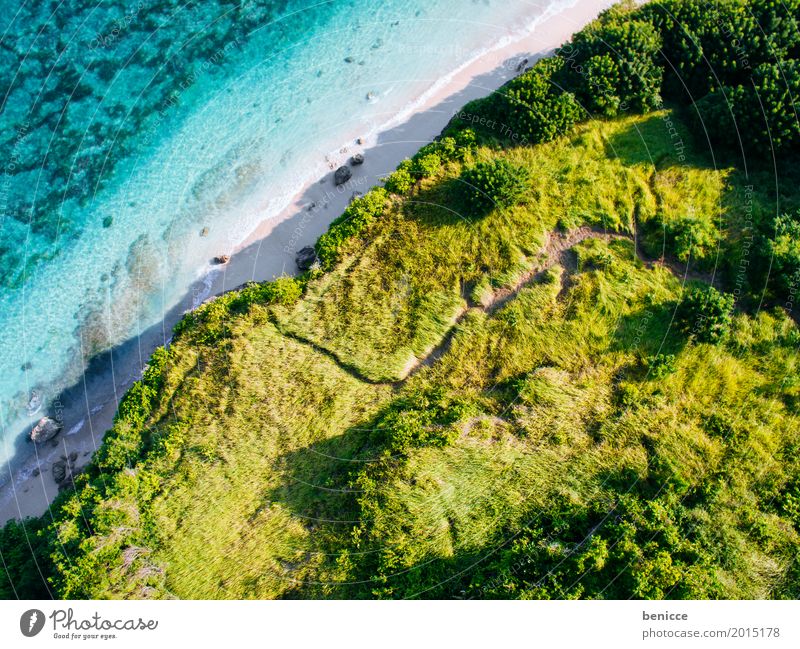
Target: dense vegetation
x: 554, y: 357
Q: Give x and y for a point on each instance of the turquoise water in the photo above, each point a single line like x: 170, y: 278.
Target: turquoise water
x: 128, y: 128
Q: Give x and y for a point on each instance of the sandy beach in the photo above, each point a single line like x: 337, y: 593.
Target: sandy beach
x: 270, y: 250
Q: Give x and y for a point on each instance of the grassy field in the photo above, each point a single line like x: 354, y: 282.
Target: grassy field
x: 391, y: 301
x: 572, y: 413
x: 314, y: 447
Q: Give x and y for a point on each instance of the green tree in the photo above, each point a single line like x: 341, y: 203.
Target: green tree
x: 705, y: 314
x: 24, y: 561
x: 498, y: 183
x: 613, y: 64
x: 533, y: 106
x: 784, y: 253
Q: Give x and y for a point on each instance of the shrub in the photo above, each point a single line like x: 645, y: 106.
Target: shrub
x: 426, y: 165
x: 401, y: 181
x: 25, y: 562
x: 705, y: 314
x: 356, y: 218
x: 498, y: 183
x: 693, y: 238
x: 660, y: 365
x: 784, y: 251
x: 283, y: 291
x: 535, y: 108
x: 759, y: 115
x: 424, y: 418
x: 611, y: 64
x: 466, y: 140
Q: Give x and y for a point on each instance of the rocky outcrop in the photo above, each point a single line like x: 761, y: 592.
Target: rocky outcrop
x: 342, y: 175
x: 357, y: 159
x: 222, y: 259
x: 46, y: 429
x: 306, y: 258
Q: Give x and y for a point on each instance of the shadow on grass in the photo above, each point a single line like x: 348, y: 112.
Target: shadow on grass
x: 664, y: 141
x: 648, y: 331
x: 318, y: 488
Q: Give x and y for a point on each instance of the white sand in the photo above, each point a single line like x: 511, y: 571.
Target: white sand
x: 270, y: 250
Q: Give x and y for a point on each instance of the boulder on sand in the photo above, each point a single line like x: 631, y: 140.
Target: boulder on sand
x: 222, y: 259
x: 59, y: 471
x: 46, y: 429
x: 306, y: 257
x: 342, y: 175
x: 64, y: 470
x: 357, y: 159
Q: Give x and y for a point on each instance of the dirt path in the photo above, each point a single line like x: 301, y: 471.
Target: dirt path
x: 558, y: 249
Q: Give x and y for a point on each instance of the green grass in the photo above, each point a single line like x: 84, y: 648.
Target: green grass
x: 560, y: 432
x: 290, y: 451
x: 399, y: 290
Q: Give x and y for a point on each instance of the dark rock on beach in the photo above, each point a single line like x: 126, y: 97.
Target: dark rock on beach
x: 59, y: 471
x: 306, y: 257
x: 46, y: 429
x: 342, y: 175
x: 64, y: 470
x: 357, y: 159
x: 222, y: 259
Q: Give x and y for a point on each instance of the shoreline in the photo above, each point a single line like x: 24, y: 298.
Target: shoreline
x: 269, y: 250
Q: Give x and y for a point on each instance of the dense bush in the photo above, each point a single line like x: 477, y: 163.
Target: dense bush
x: 631, y: 548
x: 660, y: 365
x: 529, y: 109
x: 127, y: 438
x: 426, y: 165
x: 400, y: 181
x: 24, y: 560
x: 488, y: 185
x: 211, y: 321
x: 534, y: 106
x: 353, y: 222
x: 704, y: 314
x: 693, y: 239
x: 706, y: 46
x: 611, y: 65
x: 760, y: 116
x: 735, y: 60
x: 422, y: 418
x: 783, y: 250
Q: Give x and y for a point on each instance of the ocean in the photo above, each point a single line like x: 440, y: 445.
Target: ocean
x: 142, y: 139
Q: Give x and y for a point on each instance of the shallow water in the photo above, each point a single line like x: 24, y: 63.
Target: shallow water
x: 129, y: 128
